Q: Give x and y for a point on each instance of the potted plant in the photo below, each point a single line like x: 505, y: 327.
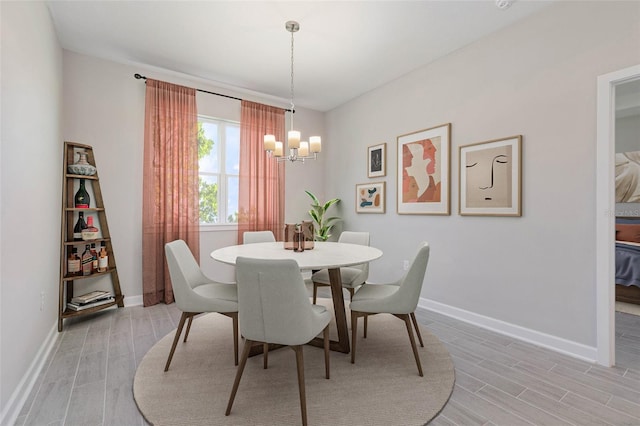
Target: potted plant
x: 323, y: 225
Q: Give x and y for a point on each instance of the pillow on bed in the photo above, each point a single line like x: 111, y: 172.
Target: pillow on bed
x: 628, y: 232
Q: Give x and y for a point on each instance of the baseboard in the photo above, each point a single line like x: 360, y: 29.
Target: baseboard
x: 133, y: 301
x: 558, y: 344
x: 12, y: 410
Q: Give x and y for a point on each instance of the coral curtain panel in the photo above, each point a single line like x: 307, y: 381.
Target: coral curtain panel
x: 261, y: 188
x: 170, y: 206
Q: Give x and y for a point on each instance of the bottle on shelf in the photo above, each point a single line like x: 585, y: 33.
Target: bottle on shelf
x: 94, y: 256
x: 79, y: 227
x: 87, y: 260
x: 103, y: 258
x: 82, y: 198
x: 90, y: 232
x: 73, y: 263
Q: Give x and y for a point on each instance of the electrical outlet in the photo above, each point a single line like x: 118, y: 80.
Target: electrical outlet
x: 405, y: 265
x: 42, y: 300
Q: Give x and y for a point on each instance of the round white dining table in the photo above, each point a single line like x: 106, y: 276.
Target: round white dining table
x: 325, y: 255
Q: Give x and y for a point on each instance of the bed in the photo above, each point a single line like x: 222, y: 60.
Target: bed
x: 628, y: 260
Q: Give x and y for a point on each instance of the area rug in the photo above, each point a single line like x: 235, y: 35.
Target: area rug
x: 381, y: 388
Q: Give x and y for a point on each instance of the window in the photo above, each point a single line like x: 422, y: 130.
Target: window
x: 218, y: 163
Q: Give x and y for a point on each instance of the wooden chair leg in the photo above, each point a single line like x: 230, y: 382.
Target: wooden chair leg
x: 301, y: 387
x: 326, y: 351
x: 354, y: 334
x: 407, y: 322
x: 315, y: 292
x: 265, y: 355
x: 236, y: 382
x: 234, y: 317
x: 415, y: 325
x: 186, y: 334
x: 366, y: 324
x: 183, y: 317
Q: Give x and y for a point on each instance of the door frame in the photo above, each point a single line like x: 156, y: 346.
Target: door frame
x: 605, y: 211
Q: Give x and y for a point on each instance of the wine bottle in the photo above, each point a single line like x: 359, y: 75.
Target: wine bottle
x: 103, y: 258
x: 87, y: 260
x: 79, y: 227
x: 73, y: 263
x: 90, y: 232
x: 94, y: 256
x: 82, y: 198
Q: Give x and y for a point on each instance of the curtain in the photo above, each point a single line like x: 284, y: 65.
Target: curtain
x: 261, y: 182
x: 170, y: 206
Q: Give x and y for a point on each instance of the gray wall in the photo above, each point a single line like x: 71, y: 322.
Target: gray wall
x: 30, y: 192
x: 538, y: 79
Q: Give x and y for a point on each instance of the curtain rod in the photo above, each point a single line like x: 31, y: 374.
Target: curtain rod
x: 138, y: 76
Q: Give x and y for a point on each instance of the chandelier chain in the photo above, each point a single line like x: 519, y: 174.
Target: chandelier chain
x: 292, y: 105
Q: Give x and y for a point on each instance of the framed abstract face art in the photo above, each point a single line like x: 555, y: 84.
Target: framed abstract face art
x: 491, y: 178
x: 370, y: 197
x: 423, y: 171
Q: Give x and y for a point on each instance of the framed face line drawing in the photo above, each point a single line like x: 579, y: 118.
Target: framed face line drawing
x: 377, y: 160
x: 423, y: 171
x: 491, y: 178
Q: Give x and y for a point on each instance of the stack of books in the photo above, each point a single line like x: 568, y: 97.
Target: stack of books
x: 89, y: 300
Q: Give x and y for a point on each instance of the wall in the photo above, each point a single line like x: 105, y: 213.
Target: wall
x: 532, y: 275
x: 104, y: 107
x: 30, y: 194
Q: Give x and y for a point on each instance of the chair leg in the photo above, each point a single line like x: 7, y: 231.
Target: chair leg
x: 236, y: 382
x: 326, y: 351
x: 265, y: 355
x: 315, y: 292
x: 366, y: 323
x: 186, y: 334
x: 183, y: 317
x: 407, y: 322
x: 234, y: 317
x: 351, y: 292
x: 415, y: 325
x: 301, y: 387
x: 354, y: 333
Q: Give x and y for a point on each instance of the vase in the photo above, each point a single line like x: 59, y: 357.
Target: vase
x: 82, y: 166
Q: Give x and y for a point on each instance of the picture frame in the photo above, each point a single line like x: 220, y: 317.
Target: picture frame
x: 371, y: 197
x: 377, y: 160
x: 491, y: 178
x: 423, y: 171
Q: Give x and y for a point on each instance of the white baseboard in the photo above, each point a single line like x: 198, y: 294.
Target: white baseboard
x: 133, y: 301
x: 12, y: 410
x: 558, y: 344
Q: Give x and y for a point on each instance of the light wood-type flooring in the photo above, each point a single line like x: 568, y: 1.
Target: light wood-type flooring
x: 88, y: 377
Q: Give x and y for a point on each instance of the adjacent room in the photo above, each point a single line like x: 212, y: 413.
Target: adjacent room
x: 433, y: 203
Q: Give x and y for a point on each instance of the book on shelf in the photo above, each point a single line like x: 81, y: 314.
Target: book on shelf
x: 80, y: 307
x: 90, y: 297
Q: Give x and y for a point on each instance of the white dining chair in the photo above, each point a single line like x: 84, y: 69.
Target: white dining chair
x: 352, y: 276
x: 195, y: 293
x: 399, y: 299
x: 274, y: 308
x: 251, y: 237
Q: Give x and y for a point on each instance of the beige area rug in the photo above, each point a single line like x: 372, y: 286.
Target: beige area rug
x: 381, y: 388
x: 628, y: 308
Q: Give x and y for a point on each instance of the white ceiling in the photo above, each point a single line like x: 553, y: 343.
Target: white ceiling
x: 343, y: 48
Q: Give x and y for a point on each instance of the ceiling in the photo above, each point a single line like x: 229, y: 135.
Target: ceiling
x: 343, y: 48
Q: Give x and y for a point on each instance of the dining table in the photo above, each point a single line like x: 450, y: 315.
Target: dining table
x: 325, y: 255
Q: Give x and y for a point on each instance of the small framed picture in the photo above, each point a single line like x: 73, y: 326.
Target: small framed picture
x: 491, y: 178
x: 370, y: 197
x: 377, y: 160
x: 423, y: 171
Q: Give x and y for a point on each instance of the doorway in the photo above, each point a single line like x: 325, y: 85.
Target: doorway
x: 605, y: 211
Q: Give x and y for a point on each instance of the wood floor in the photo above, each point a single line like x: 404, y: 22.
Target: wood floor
x: 499, y: 380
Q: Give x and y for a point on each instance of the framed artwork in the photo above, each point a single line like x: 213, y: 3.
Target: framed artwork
x: 423, y: 171
x: 377, y: 160
x: 627, y: 177
x: 491, y: 178
x: 370, y: 197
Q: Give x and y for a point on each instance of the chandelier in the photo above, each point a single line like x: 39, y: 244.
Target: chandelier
x: 298, y: 150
